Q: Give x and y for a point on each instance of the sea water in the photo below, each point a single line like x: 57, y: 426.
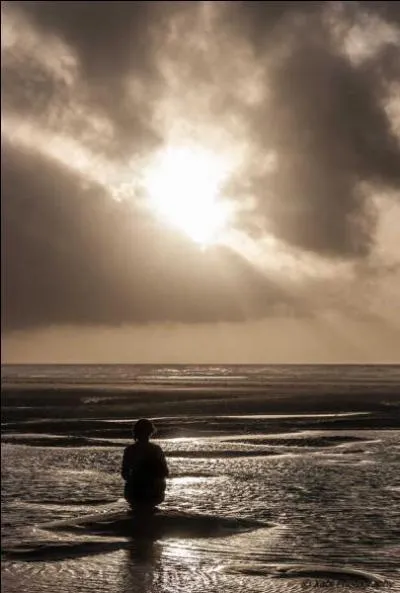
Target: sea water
x: 283, y: 479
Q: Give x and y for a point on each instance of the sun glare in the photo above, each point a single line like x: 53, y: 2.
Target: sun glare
x: 184, y: 186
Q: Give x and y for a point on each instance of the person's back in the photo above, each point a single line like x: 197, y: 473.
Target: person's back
x: 144, y: 468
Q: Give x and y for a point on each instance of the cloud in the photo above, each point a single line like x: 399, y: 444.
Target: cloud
x: 389, y: 11
x: 86, y: 57
x: 324, y: 119
x: 71, y: 254
x: 297, y: 89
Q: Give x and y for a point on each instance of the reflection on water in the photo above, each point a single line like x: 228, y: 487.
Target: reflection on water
x: 142, y: 567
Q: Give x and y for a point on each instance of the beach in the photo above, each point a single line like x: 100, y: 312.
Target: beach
x: 283, y: 478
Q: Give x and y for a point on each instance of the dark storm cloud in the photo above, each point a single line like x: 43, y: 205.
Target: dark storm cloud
x: 331, y: 134
x: 259, y: 19
x: 325, y: 119
x: 28, y: 89
x: 389, y: 11
x: 115, y: 45
x: 109, y: 37
x: 73, y: 255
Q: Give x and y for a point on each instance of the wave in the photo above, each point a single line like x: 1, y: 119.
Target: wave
x: 300, y: 440
x: 56, y: 503
x: 341, y: 574
x: 50, y: 440
x: 313, y: 574
x: 255, y: 442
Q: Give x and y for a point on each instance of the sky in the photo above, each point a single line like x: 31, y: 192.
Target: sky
x: 200, y: 182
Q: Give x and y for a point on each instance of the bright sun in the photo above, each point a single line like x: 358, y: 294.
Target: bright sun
x: 184, y: 187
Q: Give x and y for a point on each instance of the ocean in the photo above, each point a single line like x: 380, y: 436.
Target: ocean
x: 284, y: 478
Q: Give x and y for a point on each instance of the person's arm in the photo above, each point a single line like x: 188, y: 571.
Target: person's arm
x: 163, y: 465
x: 125, y: 465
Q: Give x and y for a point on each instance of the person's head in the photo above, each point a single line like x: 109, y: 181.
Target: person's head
x: 143, y: 429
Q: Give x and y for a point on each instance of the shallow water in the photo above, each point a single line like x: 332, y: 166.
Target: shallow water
x: 256, y: 502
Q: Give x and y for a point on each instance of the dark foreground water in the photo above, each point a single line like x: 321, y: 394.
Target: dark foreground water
x: 283, y: 479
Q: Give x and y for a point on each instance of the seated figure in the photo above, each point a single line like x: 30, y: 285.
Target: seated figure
x: 144, y: 469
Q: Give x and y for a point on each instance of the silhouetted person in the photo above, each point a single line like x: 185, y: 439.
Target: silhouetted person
x: 144, y: 469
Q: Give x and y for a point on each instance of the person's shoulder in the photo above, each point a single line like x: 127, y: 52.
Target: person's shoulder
x: 130, y: 447
x: 156, y: 447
